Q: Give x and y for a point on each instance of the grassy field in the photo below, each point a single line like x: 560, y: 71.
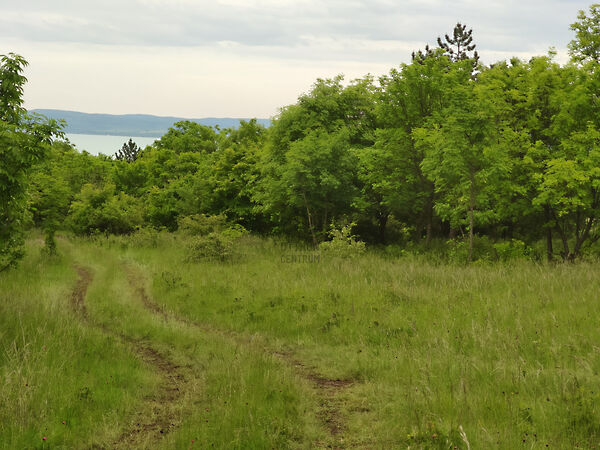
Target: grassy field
x: 123, y: 343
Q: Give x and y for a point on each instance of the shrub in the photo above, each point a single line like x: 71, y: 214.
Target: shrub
x: 101, y: 210
x: 483, y: 250
x: 343, y: 244
x: 513, y: 249
x: 210, y: 237
x: 218, y: 245
x: 201, y: 224
x: 145, y: 237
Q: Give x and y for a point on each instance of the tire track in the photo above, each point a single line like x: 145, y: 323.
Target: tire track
x: 159, y: 414
x: 327, y: 390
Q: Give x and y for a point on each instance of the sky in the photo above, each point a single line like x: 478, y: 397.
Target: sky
x: 246, y: 58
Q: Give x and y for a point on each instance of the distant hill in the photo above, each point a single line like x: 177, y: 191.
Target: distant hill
x: 130, y: 124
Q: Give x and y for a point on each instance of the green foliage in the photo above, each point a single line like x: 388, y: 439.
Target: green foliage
x: 342, y: 244
x: 436, y: 146
x: 512, y: 250
x: 187, y: 136
x: 129, y: 152
x: 12, y: 82
x: 465, y: 153
x: 483, y: 250
x: 102, y: 210
x: 216, y: 245
x: 210, y: 237
x: 146, y: 237
x: 23, y: 142
x: 586, y: 45
x: 315, y: 181
x: 201, y: 224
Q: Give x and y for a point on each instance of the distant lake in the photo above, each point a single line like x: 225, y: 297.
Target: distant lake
x: 106, y: 144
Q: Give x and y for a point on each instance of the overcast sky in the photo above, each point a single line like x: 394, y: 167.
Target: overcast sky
x: 246, y: 58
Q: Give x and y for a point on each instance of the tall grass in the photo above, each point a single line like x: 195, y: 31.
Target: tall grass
x: 60, y: 380
x: 496, y: 355
x: 508, y: 352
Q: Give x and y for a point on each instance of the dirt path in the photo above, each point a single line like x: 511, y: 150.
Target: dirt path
x: 160, y: 412
x: 80, y: 291
x: 327, y: 390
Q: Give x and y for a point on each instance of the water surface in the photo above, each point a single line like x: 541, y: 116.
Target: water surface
x: 106, y: 144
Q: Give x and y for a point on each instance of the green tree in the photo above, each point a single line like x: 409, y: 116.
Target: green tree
x: 128, y: 152
x: 316, y: 180
x: 23, y: 141
x: 308, y: 169
x: 586, y: 45
x: 464, y: 154
x: 187, y: 136
x: 460, y: 44
x: 103, y: 210
x: 409, y: 98
x: 528, y: 101
x: 231, y: 176
x: 570, y: 187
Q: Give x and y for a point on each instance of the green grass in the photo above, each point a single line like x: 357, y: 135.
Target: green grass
x: 53, y: 368
x: 508, y: 354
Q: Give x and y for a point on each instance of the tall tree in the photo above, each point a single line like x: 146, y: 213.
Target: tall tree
x: 128, y: 152
x: 23, y: 140
x: 586, y: 45
x: 464, y: 155
x: 308, y: 169
x: 409, y: 98
x: 460, y: 44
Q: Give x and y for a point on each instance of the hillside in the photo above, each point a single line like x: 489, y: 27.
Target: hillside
x: 130, y: 124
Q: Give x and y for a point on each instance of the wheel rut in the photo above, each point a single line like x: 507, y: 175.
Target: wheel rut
x: 159, y: 414
x: 327, y: 390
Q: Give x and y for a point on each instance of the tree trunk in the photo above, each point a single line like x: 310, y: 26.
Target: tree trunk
x: 471, y: 218
x: 565, y: 241
x: 549, y: 248
x: 584, y: 236
x: 429, y: 221
x: 383, y: 218
x: 310, y: 224
x: 419, y: 231
x: 549, y: 245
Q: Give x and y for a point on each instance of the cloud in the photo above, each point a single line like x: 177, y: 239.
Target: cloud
x: 499, y: 25
x: 246, y: 57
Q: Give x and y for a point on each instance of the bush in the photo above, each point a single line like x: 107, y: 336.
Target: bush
x: 343, y: 244
x: 202, y: 225
x: 513, y: 249
x: 145, y: 237
x: 483, y: 250
x: 218, y: 245
x: 101, y: 210
x: 210, y: 237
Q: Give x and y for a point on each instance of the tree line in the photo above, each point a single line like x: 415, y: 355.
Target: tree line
x: 441, y: 147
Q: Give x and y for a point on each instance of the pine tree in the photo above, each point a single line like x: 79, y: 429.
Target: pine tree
x: 460, y: 45
x: 129, y: 152
x: 419, y: 56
